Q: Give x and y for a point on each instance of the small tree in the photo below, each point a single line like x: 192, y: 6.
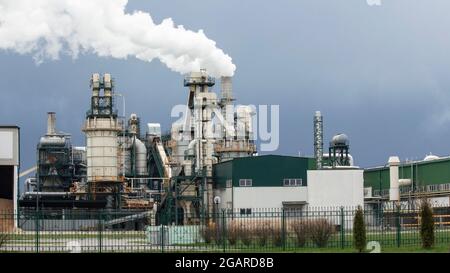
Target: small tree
x: 426, y: 224
x: 359, y: 230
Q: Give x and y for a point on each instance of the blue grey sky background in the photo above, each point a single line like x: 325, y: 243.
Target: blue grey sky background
x: 381, y: 74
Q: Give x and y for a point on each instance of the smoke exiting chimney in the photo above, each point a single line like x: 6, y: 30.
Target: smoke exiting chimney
x: 106, y: 28
x: 51, y: 122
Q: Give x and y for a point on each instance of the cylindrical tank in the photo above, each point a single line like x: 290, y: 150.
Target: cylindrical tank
x: 53, y: 141
x: 141, y: 157
x: 101, y: 149
x: 394, y: 194
x: 339, y: 140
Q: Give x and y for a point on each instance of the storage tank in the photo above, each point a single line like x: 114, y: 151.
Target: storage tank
x: 101, y: 129
x: 141, y: 158
x: 101, y: 149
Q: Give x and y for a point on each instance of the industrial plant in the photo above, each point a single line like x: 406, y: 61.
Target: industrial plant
x: 207, y: 163
x: 122, y: 168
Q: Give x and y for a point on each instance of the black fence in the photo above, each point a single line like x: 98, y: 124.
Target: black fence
x: 255, y: 230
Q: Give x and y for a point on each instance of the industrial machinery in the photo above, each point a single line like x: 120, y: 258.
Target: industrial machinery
x: 60, y: 168
x: 101, y: 129
x: 318, y: 139
x: 338, y: 151
x: 338, y: 155
x: 213, y: 131
x: 121, y: 168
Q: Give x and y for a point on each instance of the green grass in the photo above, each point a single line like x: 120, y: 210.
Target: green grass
x: 410, y: 242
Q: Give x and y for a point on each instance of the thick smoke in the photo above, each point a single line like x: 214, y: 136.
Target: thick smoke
x: 48, y: 28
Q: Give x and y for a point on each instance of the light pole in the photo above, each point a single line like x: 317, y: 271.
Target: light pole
x: 123, y: 132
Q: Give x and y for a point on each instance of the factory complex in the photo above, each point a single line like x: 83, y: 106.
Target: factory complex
x: 208, y: 163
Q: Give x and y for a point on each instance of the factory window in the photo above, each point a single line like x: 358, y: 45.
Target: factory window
x: 292, y: 182
x: 246, y: 211
x: 229, y: 183
x: 433, y: 187
x: 245, y: 182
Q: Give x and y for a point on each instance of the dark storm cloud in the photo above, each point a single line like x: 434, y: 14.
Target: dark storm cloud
x: 378, y: 73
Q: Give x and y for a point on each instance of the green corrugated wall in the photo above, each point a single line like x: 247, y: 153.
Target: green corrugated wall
x: 265, y: 170
x: 423, y: 173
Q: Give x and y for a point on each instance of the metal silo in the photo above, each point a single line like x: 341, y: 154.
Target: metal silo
x: 101, y: 129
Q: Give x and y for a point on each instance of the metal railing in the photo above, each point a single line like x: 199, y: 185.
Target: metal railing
x: 421, y: 189
x: 239, y: 230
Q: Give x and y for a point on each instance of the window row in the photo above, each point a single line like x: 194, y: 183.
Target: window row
x: 287, y: 182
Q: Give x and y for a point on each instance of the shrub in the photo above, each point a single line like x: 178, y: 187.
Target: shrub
x: 359, y: 230
x: 301, y: 232
x: 262, y: 233
x: 277, y: 238
x: 321, y: 231
x: 218, y: 234
x: 426, y: 225
x: 208, y: 233
x: 232, y: 234
x: 3, y: 239
x: 245, y: 234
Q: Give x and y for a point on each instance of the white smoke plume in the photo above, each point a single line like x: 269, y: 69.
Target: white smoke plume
x: 48, y: 28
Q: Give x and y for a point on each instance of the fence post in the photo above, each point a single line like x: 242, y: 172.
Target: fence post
x: 342, y: 228
x: 162, y: 237
x: 283, y: 228
x: 399, y: 226
x: 36, y: 217
x: 100, y: 230
x: 224, y: 237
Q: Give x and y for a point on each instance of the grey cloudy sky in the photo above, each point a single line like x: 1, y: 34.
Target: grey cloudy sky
x: 381, y: 74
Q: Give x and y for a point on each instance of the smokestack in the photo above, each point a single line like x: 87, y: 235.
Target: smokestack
x: 51, y: 121
x: 226, y: 88
x: 226, y: 93
x: 318, y: 139
x: 394, y: 192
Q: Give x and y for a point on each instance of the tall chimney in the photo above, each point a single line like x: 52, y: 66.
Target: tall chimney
x: 51, y: 121
x: 318, y: 139
x: 226, y: 88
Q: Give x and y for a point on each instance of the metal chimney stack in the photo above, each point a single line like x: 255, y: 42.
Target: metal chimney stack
x: 318, y: 139
x: 51, y: 122
x: 226, y: 88
x: 226, y: 93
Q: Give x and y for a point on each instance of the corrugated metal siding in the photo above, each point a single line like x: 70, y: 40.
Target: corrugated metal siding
x: 222, y: 172
x: 269, y: 170
x: 424, y: 173
x: 377, y: 179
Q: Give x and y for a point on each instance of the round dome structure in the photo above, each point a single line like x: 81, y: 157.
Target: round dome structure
x: 339, y: 140
x: 430, y: 157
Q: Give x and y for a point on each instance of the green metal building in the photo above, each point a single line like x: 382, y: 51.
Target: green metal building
x: 264, y: 170
x: 267, y: 181
x: 430, y: 176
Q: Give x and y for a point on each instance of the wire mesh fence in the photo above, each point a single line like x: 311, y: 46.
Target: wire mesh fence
x: 240, y: 230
